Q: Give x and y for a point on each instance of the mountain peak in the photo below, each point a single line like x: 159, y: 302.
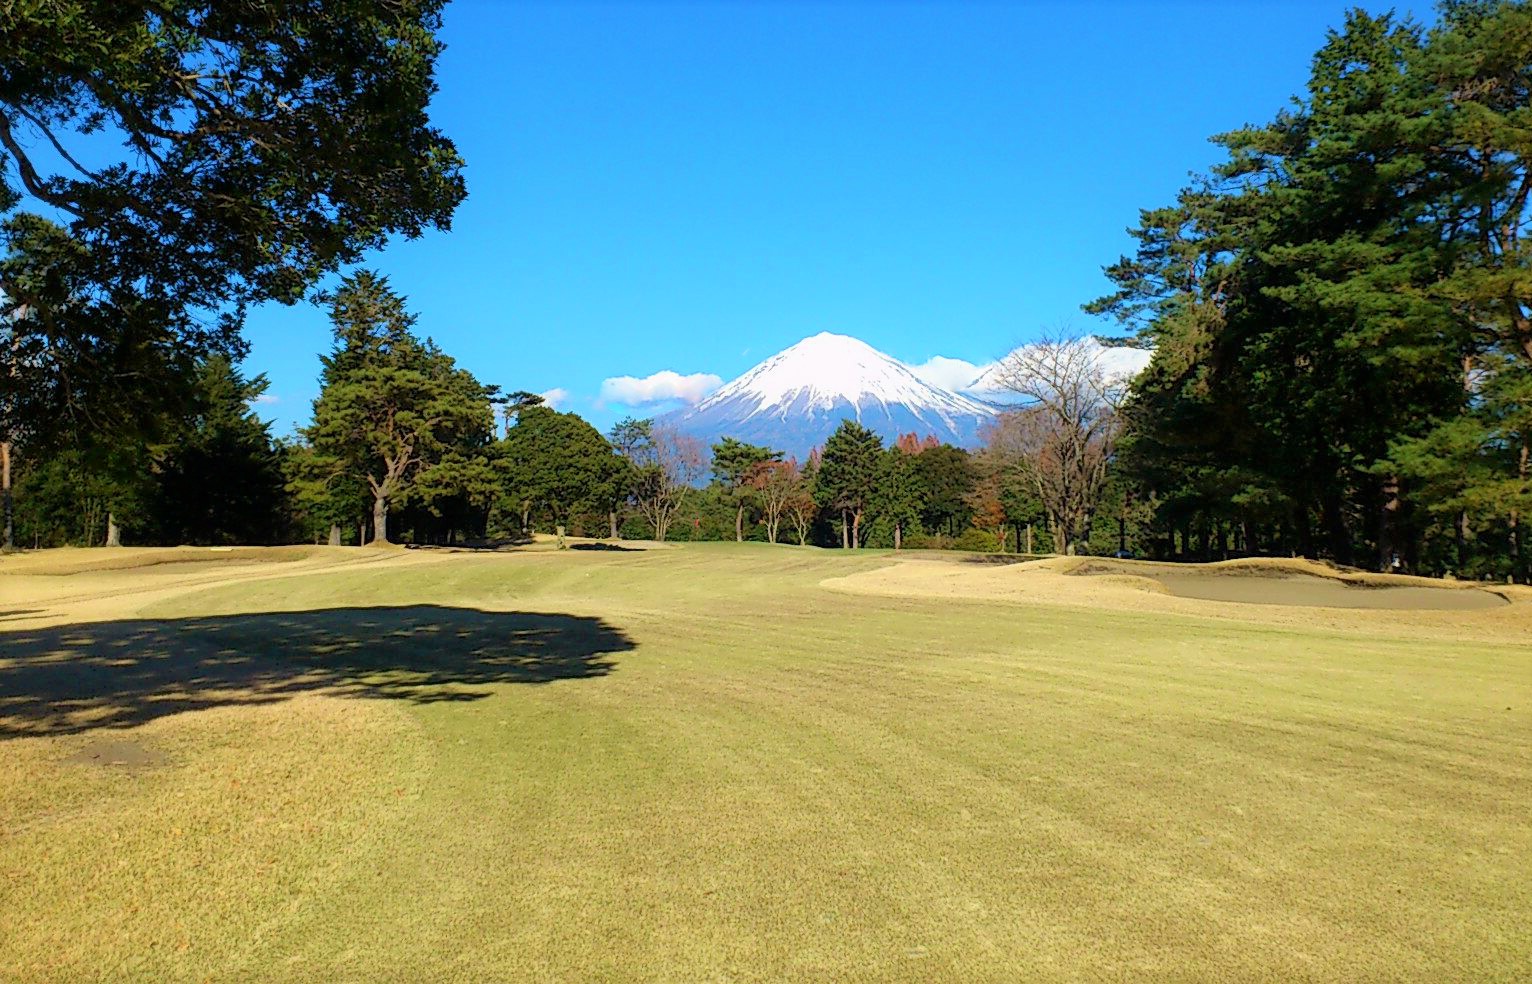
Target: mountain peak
x: 795, y: 399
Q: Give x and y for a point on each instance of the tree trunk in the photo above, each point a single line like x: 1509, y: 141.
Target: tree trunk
x: 856, y: 530
x: 898, y: 536
x: 113, y: 532
x: 558, y: 530
x: 1388, y: 526
x: 1518, y: 534
x: 611, y: 519
x: 845, y: 531
x: 1334, y: 518
x: 379, y: 519
x: 1029, y: 538
x: 334, y: 534
x: 739, y: 524
x: 526, y: 518
x: 8, y: 536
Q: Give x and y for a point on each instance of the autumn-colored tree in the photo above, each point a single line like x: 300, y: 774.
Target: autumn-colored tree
x: 912, y: 443
x: 802, y: 509
x: 989, y: 512
x: 776, y: 485
x: 733, y: 464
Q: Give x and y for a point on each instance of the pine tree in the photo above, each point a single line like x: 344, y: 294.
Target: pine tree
x: 559, y: 464
x: 733, y: 463
x: 848, y: 474
x: 392, y: 409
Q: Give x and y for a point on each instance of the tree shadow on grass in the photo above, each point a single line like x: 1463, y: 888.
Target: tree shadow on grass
x: 73, y: 678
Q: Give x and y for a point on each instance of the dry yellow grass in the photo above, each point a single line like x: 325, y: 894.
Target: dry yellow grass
x: 743, y: 763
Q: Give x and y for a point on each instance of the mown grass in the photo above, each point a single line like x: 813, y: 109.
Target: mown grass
x: 767, y: 780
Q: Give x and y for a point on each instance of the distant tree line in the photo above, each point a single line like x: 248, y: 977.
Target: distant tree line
x: 404, y: 445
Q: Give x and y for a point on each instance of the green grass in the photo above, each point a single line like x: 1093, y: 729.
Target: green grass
x: 698, y: 764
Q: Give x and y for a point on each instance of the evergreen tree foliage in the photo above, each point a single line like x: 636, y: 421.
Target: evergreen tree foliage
x: 559, y: 464
x: 944, y: 477
x: 394, y: 411
x: 847, y: 477
x: 896, y: 498
x: 263, y: 144
x: 220, y: 479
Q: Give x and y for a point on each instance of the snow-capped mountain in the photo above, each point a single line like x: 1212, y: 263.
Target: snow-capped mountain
x: 795, y: 399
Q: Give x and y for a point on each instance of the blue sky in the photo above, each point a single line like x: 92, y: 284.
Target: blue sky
x: 691, y: 188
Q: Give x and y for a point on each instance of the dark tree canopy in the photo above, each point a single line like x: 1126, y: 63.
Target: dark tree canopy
x: 165, y: 164
x: 219, y: 480
x: 848, y: 475
x: 558, y: 463
x: 250, y: 146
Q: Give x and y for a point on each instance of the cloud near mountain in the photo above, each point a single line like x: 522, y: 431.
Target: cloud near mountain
x: 949, y: 374
x: 659, y: 387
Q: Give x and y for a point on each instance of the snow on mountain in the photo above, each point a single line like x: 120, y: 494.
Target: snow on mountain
x: 795, y: 399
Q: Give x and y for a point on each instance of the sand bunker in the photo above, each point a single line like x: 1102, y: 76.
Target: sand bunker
x: 1276, y: 591
x: 1323, y: 592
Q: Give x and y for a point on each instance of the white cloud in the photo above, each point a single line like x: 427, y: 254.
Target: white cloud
x: 267, y: 399
x: 555, y: 398
x: 950, y: 374
x: 661, y: 386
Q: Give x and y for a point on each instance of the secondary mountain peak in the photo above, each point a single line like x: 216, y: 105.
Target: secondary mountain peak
x: 795, y: 399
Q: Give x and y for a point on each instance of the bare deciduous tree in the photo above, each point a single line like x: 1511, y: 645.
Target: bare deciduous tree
x: 669, y: 464
x: 1064, y: 429
x: 776, y: 483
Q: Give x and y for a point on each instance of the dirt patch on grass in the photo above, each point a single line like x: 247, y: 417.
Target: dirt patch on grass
x: 118, y: 752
